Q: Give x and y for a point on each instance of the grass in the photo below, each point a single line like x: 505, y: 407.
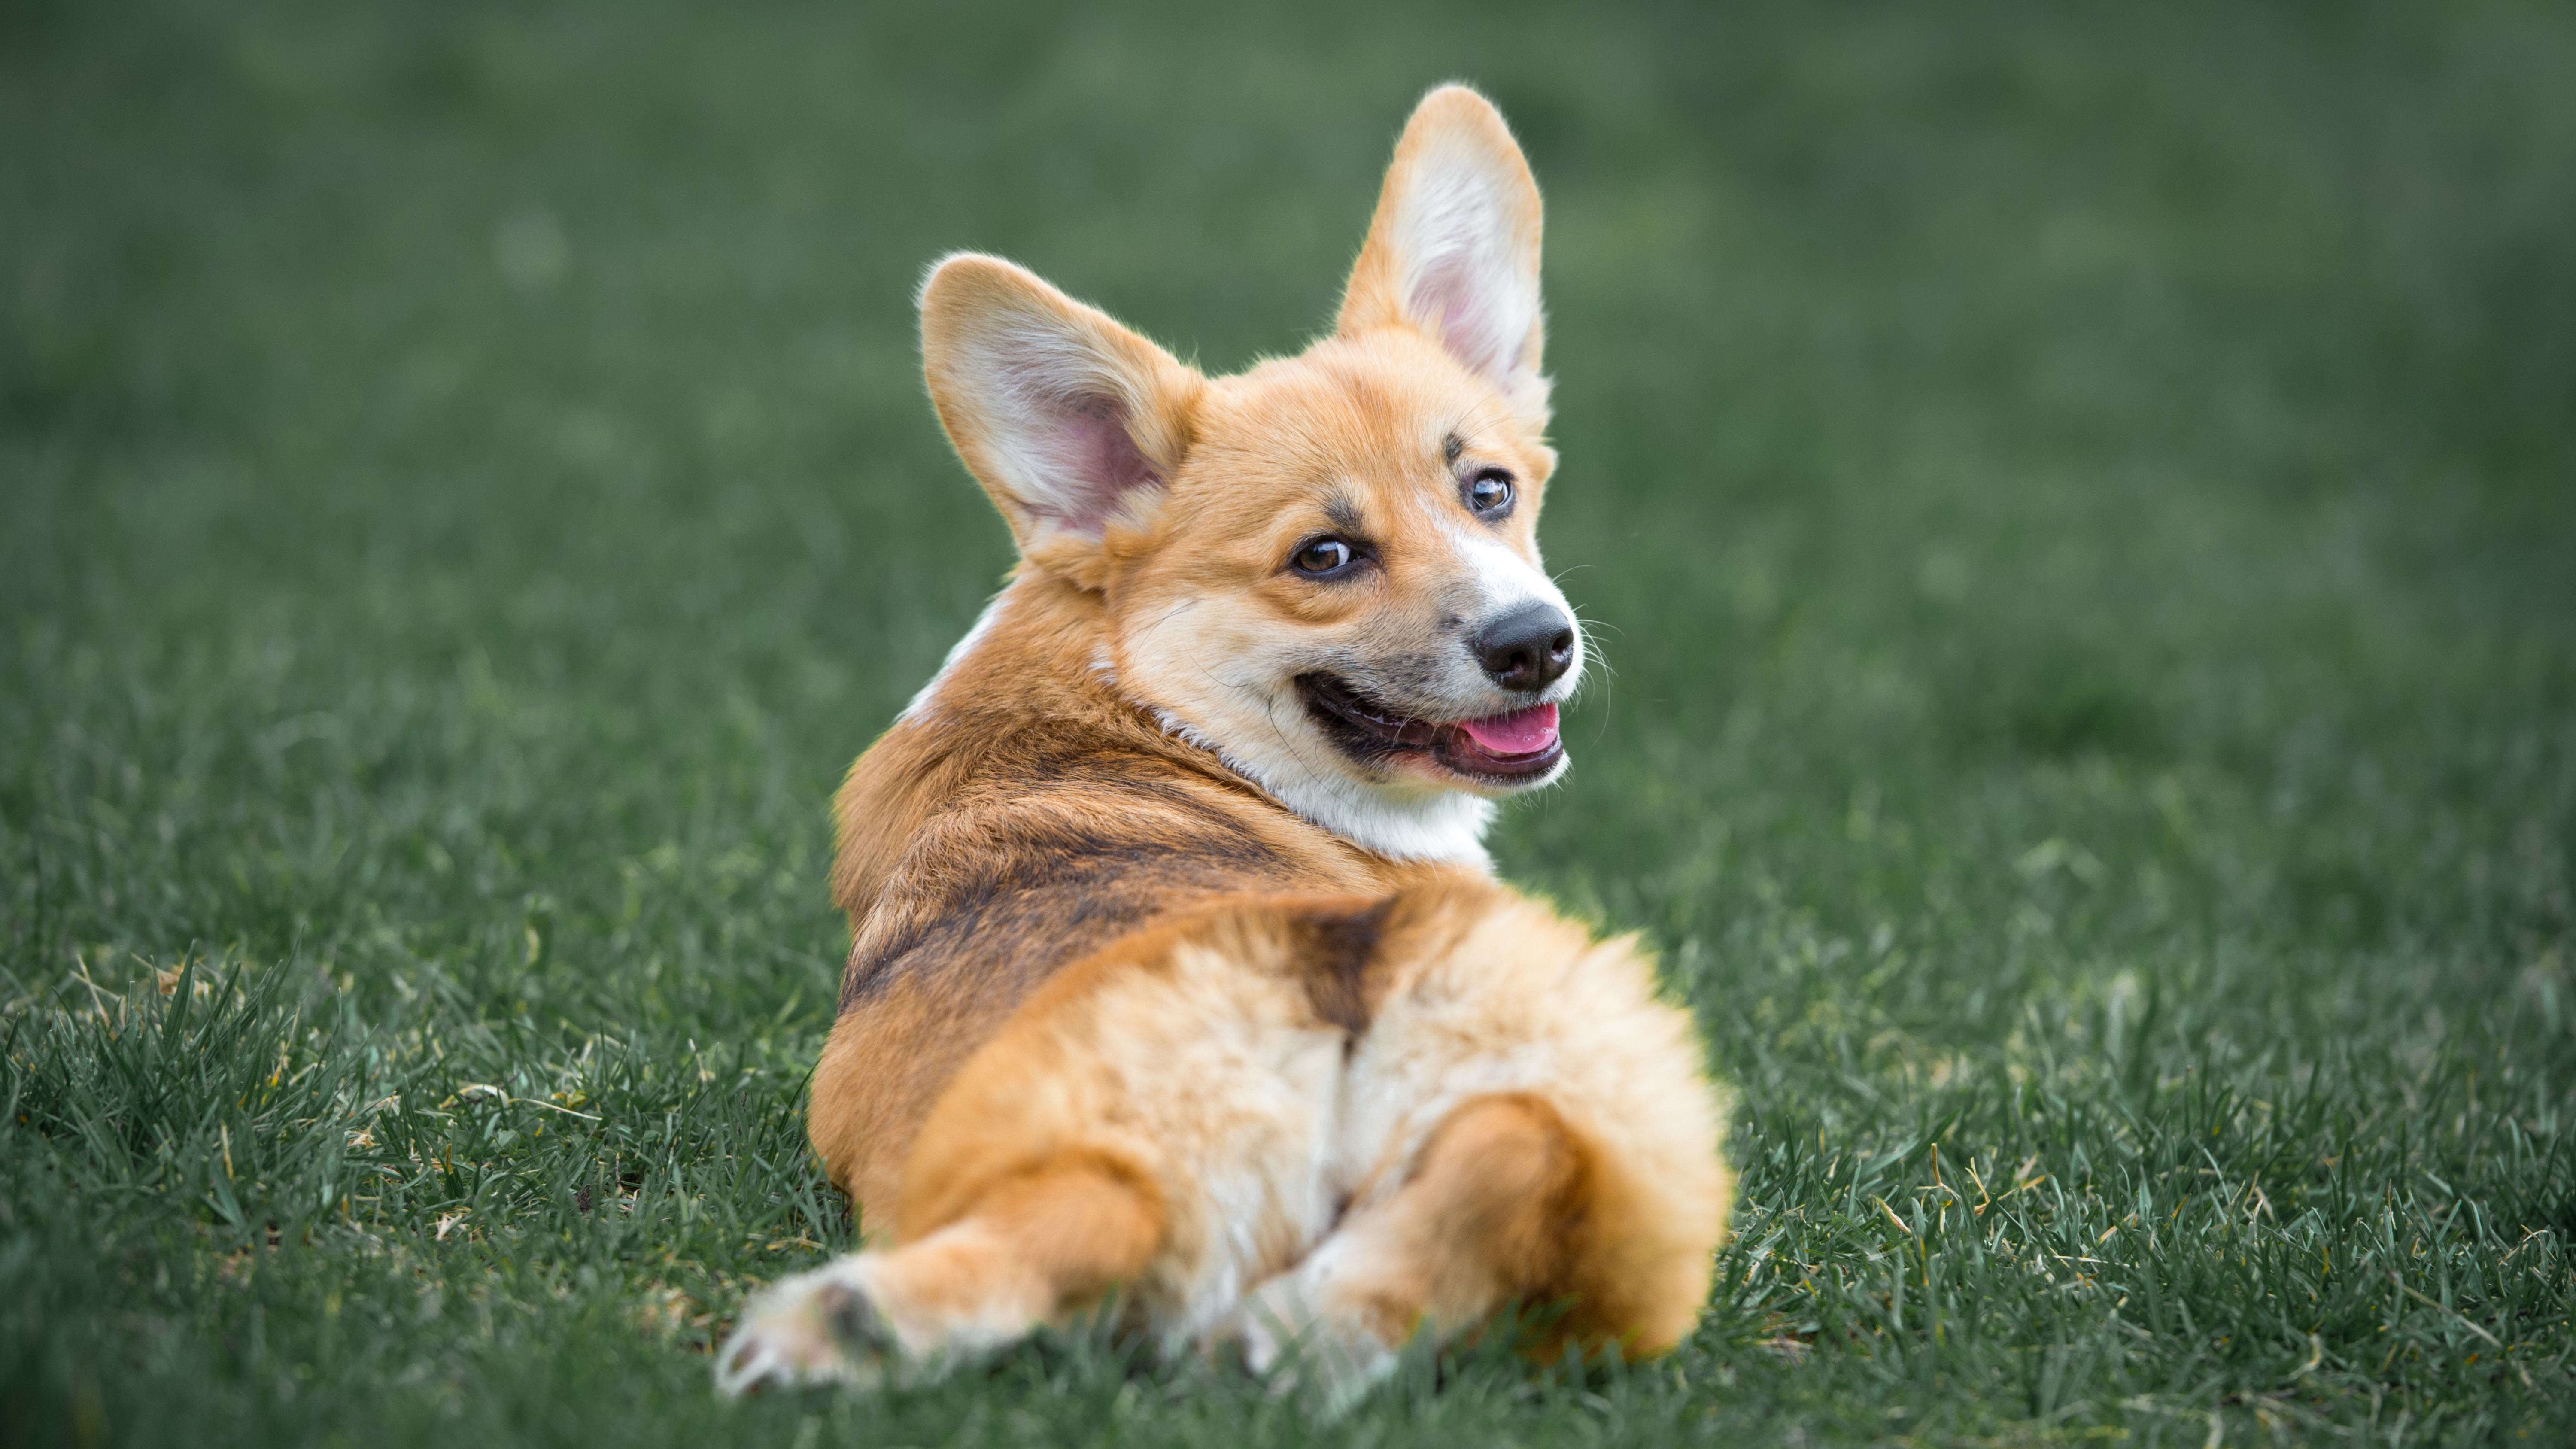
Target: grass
x: 2079, y: 498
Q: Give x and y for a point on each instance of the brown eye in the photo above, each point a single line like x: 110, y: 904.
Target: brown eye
x: 1489, y: 492
x: 1323, y: 556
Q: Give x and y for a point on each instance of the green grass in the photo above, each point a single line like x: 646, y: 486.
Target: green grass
x: 2080, y: 498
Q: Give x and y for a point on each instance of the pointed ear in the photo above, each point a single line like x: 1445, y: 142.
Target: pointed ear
x: 1453, y: 250
x: 1071, y: 422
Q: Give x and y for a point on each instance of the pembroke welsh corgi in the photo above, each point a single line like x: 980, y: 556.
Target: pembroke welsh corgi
x: 1179, y: 985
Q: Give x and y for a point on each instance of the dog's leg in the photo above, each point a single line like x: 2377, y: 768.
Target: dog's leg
x: 1036, y: 1246
x: 1148, y: 1121
x: 1579, y: 1174
x: 1491, y: 1213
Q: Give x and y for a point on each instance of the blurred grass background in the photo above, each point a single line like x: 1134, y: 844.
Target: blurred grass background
x: 2080, y: 499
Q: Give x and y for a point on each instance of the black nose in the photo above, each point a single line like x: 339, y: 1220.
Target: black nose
x: 1529, y: 648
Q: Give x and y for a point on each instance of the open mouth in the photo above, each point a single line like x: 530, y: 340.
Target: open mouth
x: 1511, y: 746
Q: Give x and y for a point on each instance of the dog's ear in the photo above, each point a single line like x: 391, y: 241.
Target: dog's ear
x: 1453, y: 250
x: 1070, y: 421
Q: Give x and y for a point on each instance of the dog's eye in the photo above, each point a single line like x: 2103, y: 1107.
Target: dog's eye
x: 1489, y: 492
x: 1323, y: 556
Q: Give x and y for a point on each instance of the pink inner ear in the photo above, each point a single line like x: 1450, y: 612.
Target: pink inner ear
x: 1096, y: 464
x: 1444, y: 294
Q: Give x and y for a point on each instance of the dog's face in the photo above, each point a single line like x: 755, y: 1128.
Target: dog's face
x: 1326, y: 568
x: 1344, y: 578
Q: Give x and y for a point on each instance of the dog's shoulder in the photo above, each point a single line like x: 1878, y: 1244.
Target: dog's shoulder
x: 1036, y: 857
x: 1023, y: 814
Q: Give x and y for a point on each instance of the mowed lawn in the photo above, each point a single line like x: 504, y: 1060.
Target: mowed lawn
x: 2079, y: 503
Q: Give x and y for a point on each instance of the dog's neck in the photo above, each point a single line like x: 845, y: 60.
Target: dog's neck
x: 1444, y: 825
x: 1064, y: 632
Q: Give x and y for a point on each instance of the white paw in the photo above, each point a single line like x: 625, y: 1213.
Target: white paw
x: 1285, y: 1338
x: 818, y: 1327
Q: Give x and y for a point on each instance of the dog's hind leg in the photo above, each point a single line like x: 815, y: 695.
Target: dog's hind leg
x: 1147, y: 1122
x: 1525, y: 1123
x: 1491, y: 1214
x: 1037, y: 1245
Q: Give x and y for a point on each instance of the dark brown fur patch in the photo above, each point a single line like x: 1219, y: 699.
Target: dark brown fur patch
x: 1061, y: 883
x: 1338, y: 950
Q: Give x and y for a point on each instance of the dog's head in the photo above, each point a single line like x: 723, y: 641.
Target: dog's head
x: 1325, y: 568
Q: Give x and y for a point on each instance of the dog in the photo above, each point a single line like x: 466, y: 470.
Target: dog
x: 1180, y: 989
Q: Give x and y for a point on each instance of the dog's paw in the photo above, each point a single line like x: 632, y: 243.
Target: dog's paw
x: 818, y: 1327
x: 1304, y: 1351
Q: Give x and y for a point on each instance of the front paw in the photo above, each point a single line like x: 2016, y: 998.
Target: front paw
x: 818, y: 1327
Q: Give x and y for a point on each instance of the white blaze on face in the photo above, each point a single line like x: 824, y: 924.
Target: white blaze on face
x: 1507, y: 582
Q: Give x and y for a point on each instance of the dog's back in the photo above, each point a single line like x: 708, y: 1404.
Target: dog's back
x: 1021, y: 815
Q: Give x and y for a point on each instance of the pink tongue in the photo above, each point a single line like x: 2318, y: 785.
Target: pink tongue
x: 1522, y: 732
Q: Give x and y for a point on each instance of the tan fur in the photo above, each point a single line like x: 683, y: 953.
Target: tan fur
x: 1154, y: 991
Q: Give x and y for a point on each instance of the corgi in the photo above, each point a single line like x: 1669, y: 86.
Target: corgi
x: 1179, y: 984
